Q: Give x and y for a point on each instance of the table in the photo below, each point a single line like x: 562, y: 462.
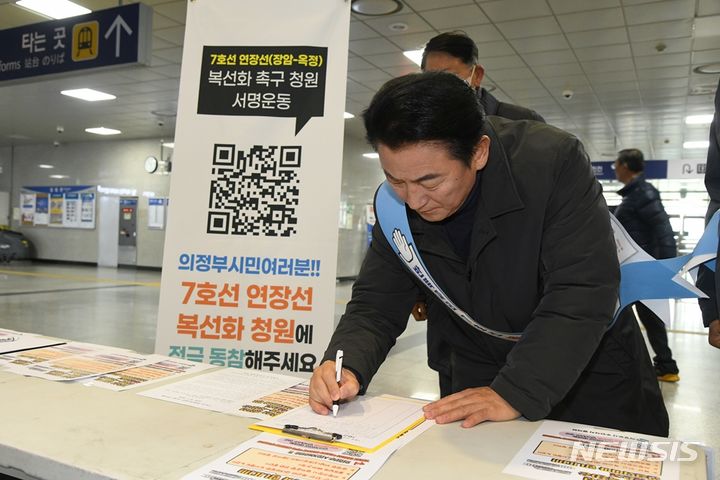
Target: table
x: 60, y: 431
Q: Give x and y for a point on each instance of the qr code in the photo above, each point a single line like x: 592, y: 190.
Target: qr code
x: 255, y: 191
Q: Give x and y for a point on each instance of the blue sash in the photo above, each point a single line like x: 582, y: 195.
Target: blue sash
x: 642, y: 277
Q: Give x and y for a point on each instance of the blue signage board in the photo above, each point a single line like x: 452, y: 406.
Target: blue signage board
x: 653, y: 169
x: 59, y: 189
x: 116, y: 36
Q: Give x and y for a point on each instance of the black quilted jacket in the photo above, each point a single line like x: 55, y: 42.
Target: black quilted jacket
x: 643, y: 216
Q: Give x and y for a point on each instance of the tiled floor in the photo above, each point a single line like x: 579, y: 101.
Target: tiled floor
x: 119, y: 308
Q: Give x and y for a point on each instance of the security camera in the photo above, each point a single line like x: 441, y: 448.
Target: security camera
x: 160, y: 123
x: 56, y: 143
x: 567, y: 94
x: 59, y: 129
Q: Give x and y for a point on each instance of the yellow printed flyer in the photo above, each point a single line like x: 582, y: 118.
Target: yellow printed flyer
x: 274, y: 456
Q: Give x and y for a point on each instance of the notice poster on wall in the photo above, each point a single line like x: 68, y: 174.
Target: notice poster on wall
x: 250, y: 261
x: 27, y: 209
x: 57, y: 203
x: 64, y: 206
x: 156, y: 213
x: 71, y: 210
x: 87, y: 210
x: 42, y: 207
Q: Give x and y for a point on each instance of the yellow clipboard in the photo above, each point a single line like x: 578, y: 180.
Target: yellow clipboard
x: 301, y: 422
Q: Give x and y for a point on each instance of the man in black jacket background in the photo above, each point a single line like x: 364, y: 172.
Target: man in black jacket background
x: 643, y: 216
x: 707, y: 280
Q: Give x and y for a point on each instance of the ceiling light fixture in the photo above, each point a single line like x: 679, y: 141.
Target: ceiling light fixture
x: 415, y: 55
x: 375, y: 7
x: 699, y: 119
x: 53, y: 8
x: 371, y: 155
x: 59, y: 176
x: 88, y: 94
x: 164, y: 113
x: 708, y: 69
x: 696, y: 145
x: 398, y: 27
x: 347, y: 115
x: 103, y: 131
x: 169, y: 144
x: 44, y: 165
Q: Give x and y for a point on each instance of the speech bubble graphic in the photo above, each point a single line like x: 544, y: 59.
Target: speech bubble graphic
x: 264, y: 81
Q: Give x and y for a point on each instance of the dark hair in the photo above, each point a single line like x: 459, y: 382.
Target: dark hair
x: 426, y: 107
x: 632, y: 158
x: 456, y: 43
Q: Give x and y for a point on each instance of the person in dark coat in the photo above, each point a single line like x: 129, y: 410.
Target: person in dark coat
x: 455, y: 52
x: 642, y: 214
x: 707, y: 279
x: 510, y: 221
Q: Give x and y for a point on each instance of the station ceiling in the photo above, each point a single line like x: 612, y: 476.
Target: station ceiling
x: 630, y: 64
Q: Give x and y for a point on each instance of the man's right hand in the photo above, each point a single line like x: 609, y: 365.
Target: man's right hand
x: 324, y: 389
x: 714, y: 333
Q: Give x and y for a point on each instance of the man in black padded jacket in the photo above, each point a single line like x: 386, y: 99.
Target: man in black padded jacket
x: 643, y: 216
x: 707, y: 279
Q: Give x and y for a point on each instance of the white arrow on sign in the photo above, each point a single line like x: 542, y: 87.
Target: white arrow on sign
x: 116, y: 25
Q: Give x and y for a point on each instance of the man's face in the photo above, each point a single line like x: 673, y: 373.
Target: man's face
x: 430, y: 180
x: 444, y: 62
x: 621, y: 171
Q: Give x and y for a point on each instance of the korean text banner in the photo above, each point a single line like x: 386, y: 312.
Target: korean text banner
x: 250, y: 252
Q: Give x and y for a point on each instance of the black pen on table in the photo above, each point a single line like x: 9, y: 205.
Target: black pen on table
x: 338, y: 377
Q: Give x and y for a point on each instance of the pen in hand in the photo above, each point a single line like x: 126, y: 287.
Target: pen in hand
x: 338, y: 377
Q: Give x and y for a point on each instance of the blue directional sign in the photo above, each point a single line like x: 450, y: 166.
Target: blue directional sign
x: 116, y: 36
x: 653, y: 169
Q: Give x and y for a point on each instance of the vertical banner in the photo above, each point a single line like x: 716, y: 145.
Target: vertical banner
x: 251, y: 246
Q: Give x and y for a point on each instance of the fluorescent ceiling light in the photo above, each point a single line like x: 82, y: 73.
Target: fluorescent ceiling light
x: 102, y: 131
x: 375, y: 7
x: 414, y: 55
x: 348, y: 115
x: 59, y: 176
x: 697, y: 144
x: 54, y: 8
x: 699, y: 119
x: 371, y: 155
x: 169, y: 144
x: 88, y: 94
x: 43, y: 165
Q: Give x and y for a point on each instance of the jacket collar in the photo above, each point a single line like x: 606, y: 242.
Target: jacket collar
x: 498, y: 191
x: 490, y: 104
x: 632, y: 185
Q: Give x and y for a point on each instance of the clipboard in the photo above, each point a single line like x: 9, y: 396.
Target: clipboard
x: 366, y: 424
